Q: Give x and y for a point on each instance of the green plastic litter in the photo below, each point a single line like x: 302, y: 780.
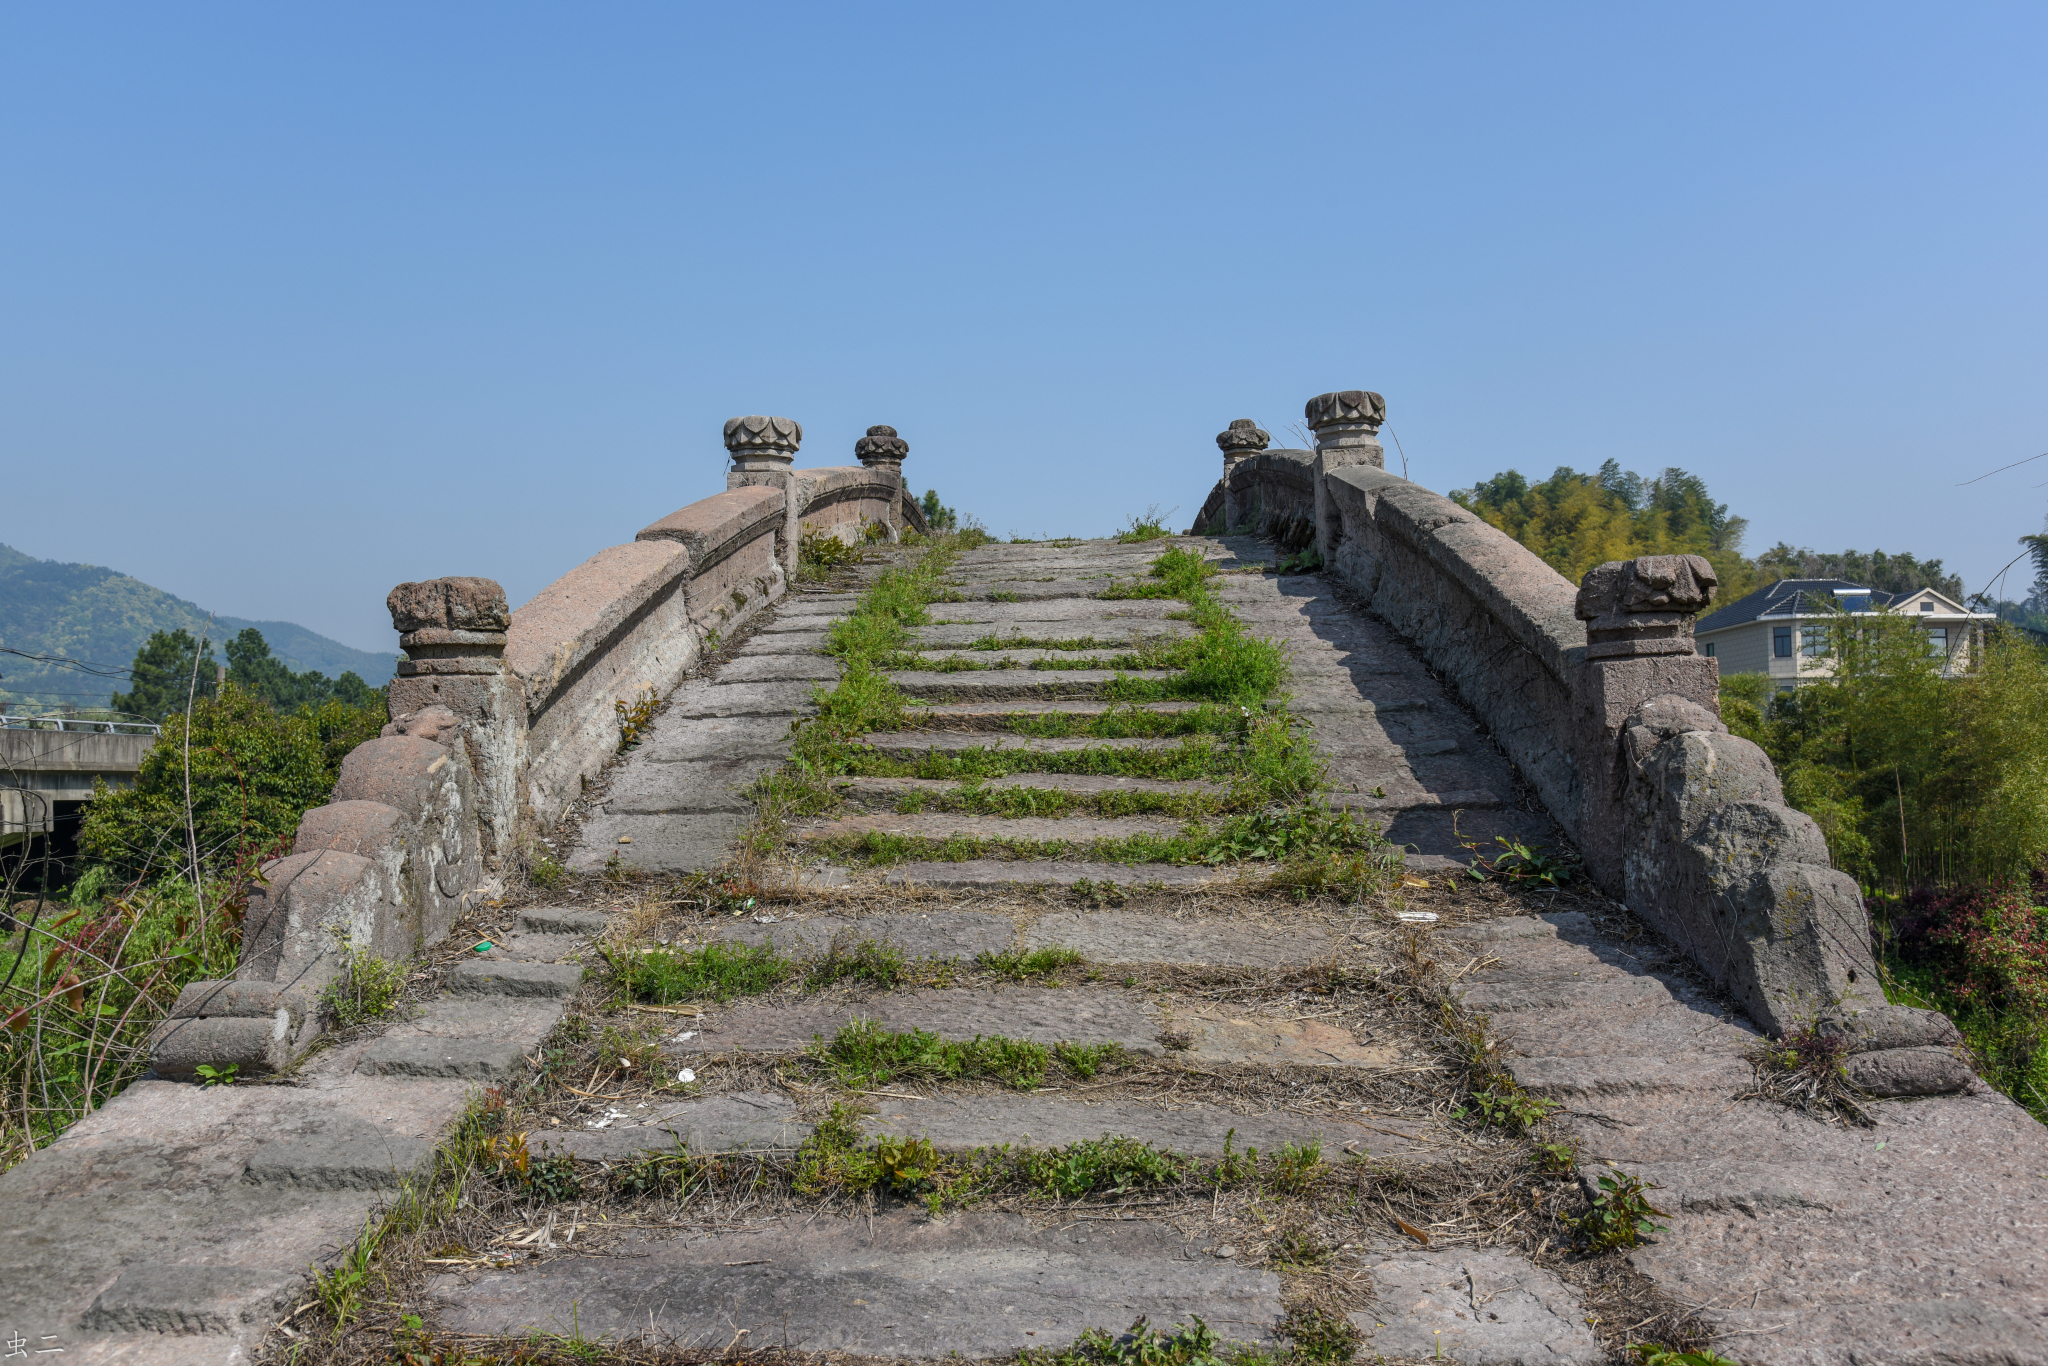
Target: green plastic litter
x: 484, y: 947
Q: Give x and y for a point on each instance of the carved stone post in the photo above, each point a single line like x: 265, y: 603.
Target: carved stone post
x: 453, y: 631
x: 1639, y: 645
x: 1347, y: 427
x: 763, y: 455
x: 1244, y: 439
x: 882, y: 451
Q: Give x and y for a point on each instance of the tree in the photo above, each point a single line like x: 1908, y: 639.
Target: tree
x: 1886, y: 573
x: 937, y: 515
x: 161, y: 678
x: 254, y: 669
x: 254, y: 773
x: 1575, y: 521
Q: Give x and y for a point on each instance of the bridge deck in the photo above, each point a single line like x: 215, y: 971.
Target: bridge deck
x: 1245, y: 1016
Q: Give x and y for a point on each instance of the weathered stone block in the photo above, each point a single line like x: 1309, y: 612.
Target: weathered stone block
x: 396, y: 770
x: 178, y: 1299
x: 352, y: 827
x: 462, y: 604
x: 1908, y: 1072
x: 503, y: 978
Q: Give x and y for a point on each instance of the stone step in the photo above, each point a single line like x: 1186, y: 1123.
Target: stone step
x: 1004, y: 589
x: 686, y: 787
x: 783, y: 643
x: 1408, y: 797
x: 1065, y: 616
x: 697, y: 701
x: 941, y: 825
x: 514, y: 977
x: 971, y: 874
x: 896, y: 1285
x: 966, y: 660
x: 679, y: 739
x: 348, y: 1153
x: 472, y: 1059
x: 888, y: 791
x: 961, y: 1120
x: 1126, y: 937
x: 780, y: 668
x: 751, y: 1121
x: 913, y: 742
x: 658, y: 843
x: 1108, y: 937
x: 562, y: 921
x: 992, y: 684
x: 1104, y: 634
x: 992, y: 714
x: 1082, y: 1015
x: 953, y: 936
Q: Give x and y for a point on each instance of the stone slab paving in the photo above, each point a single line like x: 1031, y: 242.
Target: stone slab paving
x: 966, y: 1120
x: 176, y: 1223
x: 939, y: 825
x: 998, y: 873
x: 1477, y: 1308
x: 977, y: 1284
x: 1923, y: 1239
x: 1047, y: 1015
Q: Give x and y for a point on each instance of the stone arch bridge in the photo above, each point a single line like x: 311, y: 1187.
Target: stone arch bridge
x: 1061, y: 776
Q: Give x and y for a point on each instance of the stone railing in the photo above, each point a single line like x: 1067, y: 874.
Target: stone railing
x: 1602, y: 702
x: 500, y: 717
x: 1275, y: 493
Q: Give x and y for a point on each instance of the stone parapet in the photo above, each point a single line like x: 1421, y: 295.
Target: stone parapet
x: 1483, y: 610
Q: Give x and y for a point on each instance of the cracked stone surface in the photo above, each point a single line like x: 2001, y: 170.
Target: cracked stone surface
x: 896, y: 1284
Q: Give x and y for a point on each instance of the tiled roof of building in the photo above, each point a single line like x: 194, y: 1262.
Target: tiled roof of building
x: 1788, y: 597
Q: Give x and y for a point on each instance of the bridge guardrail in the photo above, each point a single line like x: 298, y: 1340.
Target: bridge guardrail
x: 73, y: 723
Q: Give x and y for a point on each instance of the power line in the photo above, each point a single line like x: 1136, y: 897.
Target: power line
x: 82, y: 665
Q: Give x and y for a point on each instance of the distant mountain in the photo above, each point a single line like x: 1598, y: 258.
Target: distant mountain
x: 84, y: 612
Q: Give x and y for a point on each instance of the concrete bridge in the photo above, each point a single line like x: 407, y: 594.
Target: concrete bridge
x: 1058, y: 756
x: 48, y: 771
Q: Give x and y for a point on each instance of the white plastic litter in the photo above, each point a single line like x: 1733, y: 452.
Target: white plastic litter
x: 685, y: 1036
x: 609, y: 1116
x: 1416, y: 915
x: 764, y: 920
x: 685, y: 1077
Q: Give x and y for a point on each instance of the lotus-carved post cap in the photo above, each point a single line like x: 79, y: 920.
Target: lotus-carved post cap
x: 881, y: 446
x: 1644, y: 606
x: 1243, y: 437
x: 1352, y: 408
x: 762, y: 443
x: 451, y: 604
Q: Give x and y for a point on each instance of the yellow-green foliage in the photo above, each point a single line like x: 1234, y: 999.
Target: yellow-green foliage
x: 1885, y: 741
x: 1575, y: 521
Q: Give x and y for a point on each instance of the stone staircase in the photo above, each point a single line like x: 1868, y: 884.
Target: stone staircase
x: 996, y: 1080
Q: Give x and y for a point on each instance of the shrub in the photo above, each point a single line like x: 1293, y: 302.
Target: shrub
x: 254, y: 773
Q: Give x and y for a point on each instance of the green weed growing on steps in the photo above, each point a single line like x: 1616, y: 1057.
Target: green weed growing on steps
x: 864, y: 1053
x: 1149, y: 525
x: 1657, y: 1354
x: 718, y: 971
x: 1620, y: 1215
x: 366, y: 989
x: 1140, y: 1345
x: 1111, y: 1166
x: 1029, y: 965
x: 877, y: 963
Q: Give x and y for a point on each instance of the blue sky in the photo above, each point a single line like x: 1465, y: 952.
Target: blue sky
x: 297, y: 302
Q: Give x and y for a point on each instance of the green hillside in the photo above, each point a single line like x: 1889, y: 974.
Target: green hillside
x: 82, y: 611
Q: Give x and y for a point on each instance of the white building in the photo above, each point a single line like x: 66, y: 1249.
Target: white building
x: 1782, y: 630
